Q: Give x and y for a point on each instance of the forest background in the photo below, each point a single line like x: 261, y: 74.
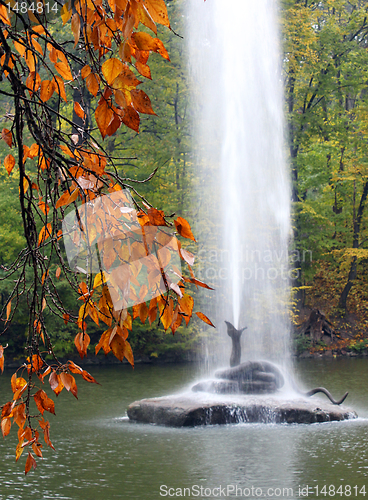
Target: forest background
x: 325, y: 72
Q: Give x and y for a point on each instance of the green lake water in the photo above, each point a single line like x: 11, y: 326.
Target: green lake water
x: 101, y: 455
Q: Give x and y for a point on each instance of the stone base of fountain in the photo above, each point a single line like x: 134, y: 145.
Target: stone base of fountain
x: 193, y: 410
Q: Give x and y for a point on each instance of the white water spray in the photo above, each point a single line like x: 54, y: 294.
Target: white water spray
x: 243, y: 191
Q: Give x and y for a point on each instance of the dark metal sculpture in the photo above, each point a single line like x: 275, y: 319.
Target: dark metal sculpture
x: 253, y: 377
x: 235, y: 335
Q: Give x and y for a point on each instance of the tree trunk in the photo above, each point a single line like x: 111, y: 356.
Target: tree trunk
x: 353, y: 267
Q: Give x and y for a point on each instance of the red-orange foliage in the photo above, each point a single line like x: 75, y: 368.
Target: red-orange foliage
x: 73, y: 169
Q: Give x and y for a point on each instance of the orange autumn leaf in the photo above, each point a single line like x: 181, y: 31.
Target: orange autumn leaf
x: 6, y: 136
x: 7, y: 409
x: 183, y: 228
x: 122, y: 349
x: 158, y: 11
x: 143, y: 69
x: 131, y: 118
x: 85, y: 71
x: 64, y: 70
x: 9, y: 163
x: 197, y: 283
x: 141, y: 102
x: 33, y: 82
x: 93, y: 83
x: 205, y: 319
x: 44, y: 207
x: 79, y: 371
x: 47, y: 89
x: 144, y: 41
x: 186, y: 304
x: 143, y: 312
x: 67, y: 198
x: 19, y: 415
x: 4, y: 15
x: 19, y: 385
x: 79, y: 110
x: 36, y: 447
x: 76, y: 25
x: 34, y: 151
x: 177, y: 319
x: 152, y: 310
x: 59, y: 87
x: 82, y: 342
x: 31, y: 462
x: 104, y: 116
x: 104, y: 342
x: 36, y: 364
x: 45, y: 426
x: 56, y: 383
x: 69, y: 383
x: 44, y: 233
x: 44, y: 374
x: 8, y: 310
x: 43, y: 402
x: 58, y: 272
x: 5, y: 426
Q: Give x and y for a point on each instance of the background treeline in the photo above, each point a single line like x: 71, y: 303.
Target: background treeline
x: 326, y: 91
x: 325, y: 70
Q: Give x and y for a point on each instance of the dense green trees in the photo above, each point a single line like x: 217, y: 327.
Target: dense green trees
x: 163, y: 144
x: 326, y: 87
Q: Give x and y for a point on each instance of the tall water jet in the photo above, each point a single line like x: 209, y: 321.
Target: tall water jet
x: 243, y: 191
x: 243, y: 224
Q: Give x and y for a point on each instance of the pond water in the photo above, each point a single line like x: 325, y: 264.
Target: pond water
x: 101, y: 455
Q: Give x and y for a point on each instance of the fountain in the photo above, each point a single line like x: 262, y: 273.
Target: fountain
x: 243, y: 182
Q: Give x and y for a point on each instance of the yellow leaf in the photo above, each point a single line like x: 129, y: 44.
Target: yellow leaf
x: 20, y: 48
x: 66, y: 12
x: 100, y: 278
x: 111, y: 69
x: 158, y: 11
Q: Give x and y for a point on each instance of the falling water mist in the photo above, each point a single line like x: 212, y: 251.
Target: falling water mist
x: 243, y: 192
